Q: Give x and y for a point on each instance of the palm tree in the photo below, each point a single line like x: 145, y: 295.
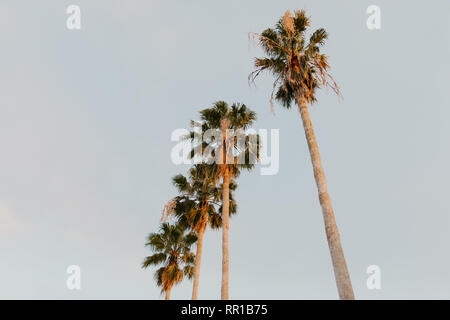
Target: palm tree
x: 198, y: 206
x: 299, y: 70
x: 231, y: 149
x: 171, y: 247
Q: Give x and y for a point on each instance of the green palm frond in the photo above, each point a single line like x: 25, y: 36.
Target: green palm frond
x: 159, y: 276
x: 188, y: 271
x: 215, y: 221
x: 155, y: 242
x: 190, y: 239
x: 155, y: 259
x: 181, y: 183
x: 189, y: 258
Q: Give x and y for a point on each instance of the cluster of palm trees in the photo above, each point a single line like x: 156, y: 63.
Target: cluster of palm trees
x: 206, y: 194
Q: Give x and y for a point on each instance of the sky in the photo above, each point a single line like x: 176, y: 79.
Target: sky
x: 85, y: 170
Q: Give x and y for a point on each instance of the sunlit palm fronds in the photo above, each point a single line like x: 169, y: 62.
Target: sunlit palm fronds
x: 172, y: 250
x: 297, y: 64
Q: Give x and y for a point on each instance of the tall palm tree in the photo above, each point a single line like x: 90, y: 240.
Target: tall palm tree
x: 172, y: 249
x: 199, y: 205
x: 231, y: 149
x: 299, y: 70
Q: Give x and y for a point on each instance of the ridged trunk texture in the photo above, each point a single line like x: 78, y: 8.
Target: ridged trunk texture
x: 225, y: 228
x: 198, y: 260
x: 341, y: 274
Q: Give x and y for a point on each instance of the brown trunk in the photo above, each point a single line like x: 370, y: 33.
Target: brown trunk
x: 225, y: 227
x: 198, y: 259
x: 341, y: 274
x: 168, y: 293
x: 226, y: 148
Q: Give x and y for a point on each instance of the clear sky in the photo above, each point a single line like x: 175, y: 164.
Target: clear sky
x: 85, y: 123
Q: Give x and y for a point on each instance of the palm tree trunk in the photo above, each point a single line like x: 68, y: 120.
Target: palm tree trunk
x: 225, y: 227
x: 341, y: 274
x: 198, y: 259
x: 168, y: 293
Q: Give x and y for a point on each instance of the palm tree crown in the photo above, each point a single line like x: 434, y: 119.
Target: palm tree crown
x: 227, y: 122
x: 297, y: 65
x: 199, y: 203
x: 172, y: 249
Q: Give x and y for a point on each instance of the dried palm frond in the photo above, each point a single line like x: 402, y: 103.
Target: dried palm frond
x: 168, y: 210
x: 288, y: 22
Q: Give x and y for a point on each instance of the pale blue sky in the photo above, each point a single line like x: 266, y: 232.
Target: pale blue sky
x: 85, y: 124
